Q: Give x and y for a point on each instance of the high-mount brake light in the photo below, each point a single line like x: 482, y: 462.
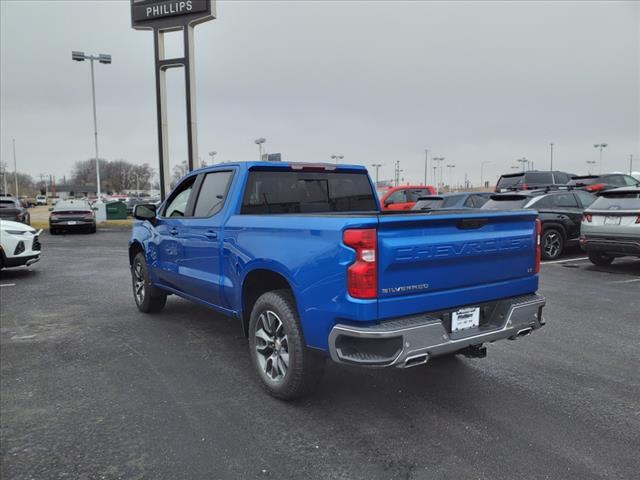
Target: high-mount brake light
x: 313, y: 167
x: 362, y: 275
x: 538, y: 250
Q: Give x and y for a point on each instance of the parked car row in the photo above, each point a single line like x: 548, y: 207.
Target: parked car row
x: 11, y: 208
x: 535, y: 179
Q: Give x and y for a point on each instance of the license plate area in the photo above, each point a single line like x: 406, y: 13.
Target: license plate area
x: 612, y: 220
x: 465, y: 318
x: 72, y: 222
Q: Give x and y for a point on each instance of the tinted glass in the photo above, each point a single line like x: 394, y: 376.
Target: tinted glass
x: 399, y: 196
x: 585, y: 198
x: 506, y: 204
x: 584, y: 181
x: 479, y: 200
x: 177, y: 206
x: 566, y: 200
x: 415, y: 193
x: 68, y: 206
x: 538, y: 203
x: 7, y: 204
x: 305, y: 192
x: 212, y: 194
x: 630, y: 180
x: 614, y: 180
x: 621, y: 201
x: 451, y: 201
x: 428, y: 204
x: 539, y: 178
x: 510, y: 181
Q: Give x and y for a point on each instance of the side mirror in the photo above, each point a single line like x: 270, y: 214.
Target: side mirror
x: 144, y: 211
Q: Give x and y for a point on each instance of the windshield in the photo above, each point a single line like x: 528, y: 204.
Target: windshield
x: 7, y: 204
x: 617, y: 201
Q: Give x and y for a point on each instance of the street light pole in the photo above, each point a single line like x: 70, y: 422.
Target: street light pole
x: 551, y: 145
x: 15, y: 167
x: 590, y: 162
x: 426, y: 165
x: 601, y: 146
x: 337, y: 157
x: 259, y: 142
x: 482, y: 172
x: 212, y: 154
x: 106, y: 60
x: 523, y: 161
x: 450, y: 167
x: 377, y: 166
x: 435, y: 161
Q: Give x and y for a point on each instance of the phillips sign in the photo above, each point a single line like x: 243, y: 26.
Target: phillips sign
x: 165, y: 14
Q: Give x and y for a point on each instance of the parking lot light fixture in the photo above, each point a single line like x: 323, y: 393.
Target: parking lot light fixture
x: 600, y: 146
x: 524, y: 163
x: 337, y: 157
x: 260, y: 141
x: 377, y: 167
x: 590, y: 162
x: 482, y: 164
x: 212, y: 154
x: 105, y: 60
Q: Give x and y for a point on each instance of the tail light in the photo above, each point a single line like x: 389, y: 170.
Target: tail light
x: 596, y: 187
x: 362, y: 275
x: 525, y: 186
x: 538, y: 233
x: 587, y: 217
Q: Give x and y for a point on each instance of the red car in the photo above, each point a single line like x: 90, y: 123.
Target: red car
x: 403, y: 197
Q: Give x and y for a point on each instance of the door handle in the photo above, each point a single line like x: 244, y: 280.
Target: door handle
x: 211, y: 234
x: 173, y: 231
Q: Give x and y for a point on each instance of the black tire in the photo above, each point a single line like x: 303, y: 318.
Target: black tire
x: 149, y: 299
x: 305, y: 367
x: 600, y: 259
x: 551, y: 244
x: 92, y: 229
x: 53, y: 231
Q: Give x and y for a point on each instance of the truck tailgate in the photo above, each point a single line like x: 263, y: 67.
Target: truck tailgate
x: 443, y: 260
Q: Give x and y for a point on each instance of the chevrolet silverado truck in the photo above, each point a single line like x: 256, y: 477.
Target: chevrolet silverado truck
x: 304, y: 258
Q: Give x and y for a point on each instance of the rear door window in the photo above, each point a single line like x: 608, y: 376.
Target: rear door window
x: 585, y: 198
x: 566, y: 200
x: 630, y: 180
x: 212, y: 193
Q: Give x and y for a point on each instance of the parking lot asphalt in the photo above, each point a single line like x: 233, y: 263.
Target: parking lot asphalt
x: 90, y: 388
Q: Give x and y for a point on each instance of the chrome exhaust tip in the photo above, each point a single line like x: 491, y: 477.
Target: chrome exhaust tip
x: 416, y: 360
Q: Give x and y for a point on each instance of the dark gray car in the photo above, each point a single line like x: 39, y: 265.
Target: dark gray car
x: 72, y: 215
x: 452, y: 200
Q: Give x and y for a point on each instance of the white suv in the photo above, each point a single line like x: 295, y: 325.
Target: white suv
x: 19, y: 244
x: 41, y: 200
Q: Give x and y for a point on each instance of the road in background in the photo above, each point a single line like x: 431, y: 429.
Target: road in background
x: 90, y: 388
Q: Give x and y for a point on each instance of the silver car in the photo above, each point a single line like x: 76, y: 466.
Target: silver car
x: 611, y: 226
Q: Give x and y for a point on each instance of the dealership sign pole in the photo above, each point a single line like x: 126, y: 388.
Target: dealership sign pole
x: 162, y: 16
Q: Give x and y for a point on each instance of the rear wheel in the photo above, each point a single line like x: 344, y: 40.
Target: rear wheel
x: 149, y: 299
x: 600, y: 259
x: 551, y: 243
x: 53, y: 231
x: 286, y: 367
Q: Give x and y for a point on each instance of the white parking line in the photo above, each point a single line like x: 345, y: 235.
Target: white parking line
x: 627, y: 281
x: 7, y: 285
x: 581, y: 259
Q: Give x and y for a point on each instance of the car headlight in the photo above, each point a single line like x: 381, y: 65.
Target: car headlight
x: 18, y: 232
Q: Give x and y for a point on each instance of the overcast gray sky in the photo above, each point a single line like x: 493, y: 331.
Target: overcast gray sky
x: 373, y: 81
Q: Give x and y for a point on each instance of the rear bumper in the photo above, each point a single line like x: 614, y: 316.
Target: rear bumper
x: 611, y: 245
x: 409, y: 341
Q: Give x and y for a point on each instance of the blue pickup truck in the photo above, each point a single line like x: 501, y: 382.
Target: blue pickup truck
x: 304, y: 258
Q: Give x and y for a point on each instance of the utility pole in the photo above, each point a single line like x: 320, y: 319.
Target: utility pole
x: 376, y: 166
x: 631, y: 164
x: 551, y: 145
x: 4, y: 176
x: 15, y: 167
x: 426, y: 165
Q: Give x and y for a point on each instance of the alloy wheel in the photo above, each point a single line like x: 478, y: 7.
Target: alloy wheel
x: 552, y: 245
x: 272, y: 346
x: 138, y: 283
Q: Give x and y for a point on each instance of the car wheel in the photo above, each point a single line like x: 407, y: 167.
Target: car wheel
x: 53, y: 231
x: 92, y: 229
x: 600, y: 259
x: 286, y: 367
x: 149, y: 299
x: 551, y: 243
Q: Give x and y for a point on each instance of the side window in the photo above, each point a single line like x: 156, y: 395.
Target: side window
x: 561, y: 178
x: 177, y: 205
x: 615, y: 180
x: 470, y: 201
x: 544, y: 202
x: 479, y: 200
x: 630, y: 180
x: 585, y: 198
x: 566, y: 200
x: 398, y: 196
x: 212, y: 194
x: 414, y: 195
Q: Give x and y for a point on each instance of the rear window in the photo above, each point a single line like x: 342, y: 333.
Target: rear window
x: 510, y: 181
x: 617, y: 201
x: 428, y: 204
x: 7, y: 204
x: 510, y: 202
x: 307, y: 192
x: 539, y: 178
x: 415, y: 193
x: 583, y: 181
